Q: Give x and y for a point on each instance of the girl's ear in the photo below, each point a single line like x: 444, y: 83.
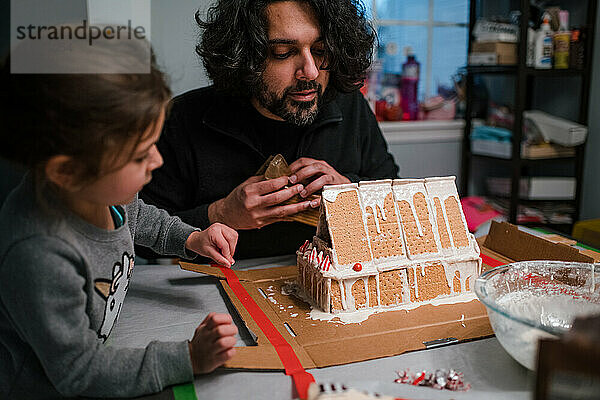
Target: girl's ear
x: 61, y: 171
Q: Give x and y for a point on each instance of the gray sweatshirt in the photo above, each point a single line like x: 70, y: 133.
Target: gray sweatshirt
x: 62, y: 285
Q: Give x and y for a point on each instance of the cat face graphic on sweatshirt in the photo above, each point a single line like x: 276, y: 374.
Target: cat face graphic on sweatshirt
x: 114, y: 291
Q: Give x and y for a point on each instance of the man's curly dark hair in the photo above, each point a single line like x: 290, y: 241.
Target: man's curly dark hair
x: 234, y: 43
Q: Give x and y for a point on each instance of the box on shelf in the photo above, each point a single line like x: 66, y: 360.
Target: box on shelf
x: 545, y: 150
x: 491, y: 31
x: 506, y: 53
x: 491, y: 148
x: 503, y: 149
x: 555, y: 129
x: 483, y: 59
x: 535, y: 187
x: 322, y: 343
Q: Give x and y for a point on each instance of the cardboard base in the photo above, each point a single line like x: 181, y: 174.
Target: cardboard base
x: 326, y: 343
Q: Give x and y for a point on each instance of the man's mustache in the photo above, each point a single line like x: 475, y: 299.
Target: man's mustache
x: 304, y: 85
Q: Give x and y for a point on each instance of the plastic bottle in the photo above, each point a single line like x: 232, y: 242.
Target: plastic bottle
x: 562, y: 40
x: 544, y: 45
x: 373, y: 83
x: 410, y: 86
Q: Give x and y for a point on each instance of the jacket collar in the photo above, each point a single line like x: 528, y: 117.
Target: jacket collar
x: 230, y: 116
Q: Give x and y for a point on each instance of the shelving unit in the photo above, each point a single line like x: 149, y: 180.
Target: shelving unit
x: 524, y: 79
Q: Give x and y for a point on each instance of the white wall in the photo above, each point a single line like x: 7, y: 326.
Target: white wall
x: 174, y: 37
x: 425, y: 148
x: 591, y: 180
x: 420, y: 160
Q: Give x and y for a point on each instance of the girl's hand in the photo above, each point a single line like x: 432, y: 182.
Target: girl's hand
x: 213, y: 343
x: 218, y: 242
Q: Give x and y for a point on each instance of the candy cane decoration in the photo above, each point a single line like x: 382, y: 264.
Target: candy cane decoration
x: 308, y: 250
x: 326, y: 263
x: 313, y: 255
x: 303, y: 247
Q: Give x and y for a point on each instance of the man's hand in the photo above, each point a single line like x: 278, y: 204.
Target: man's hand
x: 218, y: 242
x: 257, y: 202
x: 314, y: 174
x: 213, y: 343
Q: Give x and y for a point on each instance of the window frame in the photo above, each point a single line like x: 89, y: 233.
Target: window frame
x: 430, y: 24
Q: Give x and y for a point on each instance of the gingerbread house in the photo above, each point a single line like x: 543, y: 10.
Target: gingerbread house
x: 386, y: 243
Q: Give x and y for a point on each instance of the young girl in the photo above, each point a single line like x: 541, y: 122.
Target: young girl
x: 67, y: 236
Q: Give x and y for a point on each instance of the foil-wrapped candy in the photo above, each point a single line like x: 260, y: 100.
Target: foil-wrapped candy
x: 440, y: 379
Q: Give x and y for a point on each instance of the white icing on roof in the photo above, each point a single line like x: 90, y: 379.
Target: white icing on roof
x: 330, y: 192
x: 445, y: 187
x: 372, y: 194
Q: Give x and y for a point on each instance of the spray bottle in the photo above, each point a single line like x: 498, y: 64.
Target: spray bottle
x: 410, y: 85
x: 544, y: 45
x: 562, y: 40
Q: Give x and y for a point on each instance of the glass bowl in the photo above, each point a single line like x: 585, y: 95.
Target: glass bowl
x: 530, y: 300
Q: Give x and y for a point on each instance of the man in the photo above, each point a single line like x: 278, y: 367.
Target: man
x: 286, y: 77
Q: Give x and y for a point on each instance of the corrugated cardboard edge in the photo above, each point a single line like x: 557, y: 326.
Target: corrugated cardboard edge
x: 515, y: 245
x: 324, y: 354
x: 263, y: 356
x: 505, y: 243
x: 357, y: 348
x: 252, y: 275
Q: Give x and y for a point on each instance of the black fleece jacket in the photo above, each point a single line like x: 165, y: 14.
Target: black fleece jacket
x: 210, y: 145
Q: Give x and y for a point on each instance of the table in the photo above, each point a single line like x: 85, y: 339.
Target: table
x: 166, y: 303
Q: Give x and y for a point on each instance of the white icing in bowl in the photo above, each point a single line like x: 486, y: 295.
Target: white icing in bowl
x: 530, y: 300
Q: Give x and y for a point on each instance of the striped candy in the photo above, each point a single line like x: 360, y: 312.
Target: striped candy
x: 303, y: 247
x: 325, y: 264
x: 313, y: 255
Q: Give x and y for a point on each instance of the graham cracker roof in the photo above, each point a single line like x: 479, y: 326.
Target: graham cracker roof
x: 379, y: 225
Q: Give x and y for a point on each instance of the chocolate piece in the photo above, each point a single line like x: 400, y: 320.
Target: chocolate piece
x: 276, y: 166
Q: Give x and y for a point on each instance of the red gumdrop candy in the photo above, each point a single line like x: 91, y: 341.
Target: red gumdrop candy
x: 357, y: 267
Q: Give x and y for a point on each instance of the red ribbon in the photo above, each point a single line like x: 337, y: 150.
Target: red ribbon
x: 492, y: 262
x: 291, y: 363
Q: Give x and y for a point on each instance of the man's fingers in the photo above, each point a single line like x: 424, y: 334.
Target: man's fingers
x: 305, y: 173
x: 270, y: 186
x: 314, y: 203
x: 301, y: 162
x: 279, y: 197
x: 280, y: 213
x: 254, y: 179
x: 317, y: 185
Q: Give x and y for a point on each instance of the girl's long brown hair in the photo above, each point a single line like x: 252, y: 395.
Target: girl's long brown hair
x: 93, y: 118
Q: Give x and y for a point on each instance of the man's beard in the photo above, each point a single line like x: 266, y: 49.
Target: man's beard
x: 300, y: 113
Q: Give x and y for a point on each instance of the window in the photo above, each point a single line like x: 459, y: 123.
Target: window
x: 437, y: 31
